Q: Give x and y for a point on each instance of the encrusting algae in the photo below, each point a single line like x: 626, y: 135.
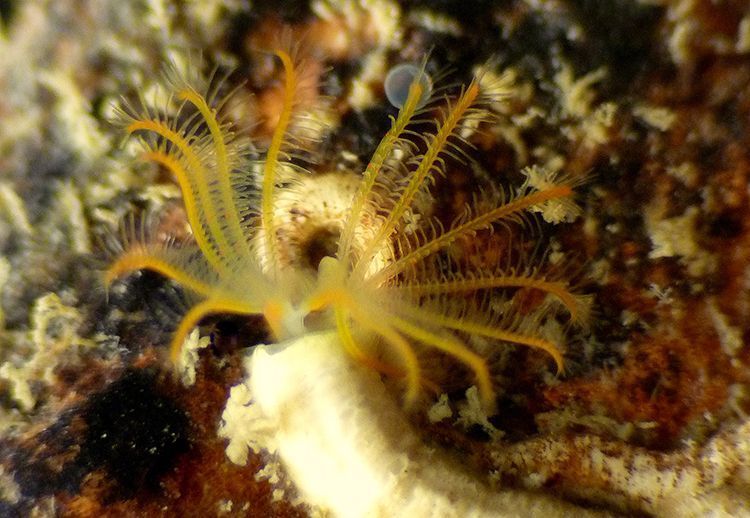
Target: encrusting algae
x: 387, y: 277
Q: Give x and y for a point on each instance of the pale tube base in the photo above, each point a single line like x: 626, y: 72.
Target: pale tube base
x: 346, y: 444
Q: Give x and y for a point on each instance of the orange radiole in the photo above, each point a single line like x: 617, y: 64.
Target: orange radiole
x: 384, y: 282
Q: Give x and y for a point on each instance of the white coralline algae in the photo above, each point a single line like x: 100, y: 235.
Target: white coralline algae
x: 346, y: 444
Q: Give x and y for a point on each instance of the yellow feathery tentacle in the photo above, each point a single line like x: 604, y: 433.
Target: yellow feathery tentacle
x: 437, y: 145
x: 350, y: 346
x: 556, y: 288
x: 481, y: 221
x: 339, y: 298
x: 195, y: 166
x: 509, y: 336
x: 138, y: 258
x: 236, y: 236
x: 454, y: 347
x: 191, y: 204
x: 385, y: 147
x: 272, y: 160
x: 402, y: 347
x: 199, y: 311
x: 476, y: 328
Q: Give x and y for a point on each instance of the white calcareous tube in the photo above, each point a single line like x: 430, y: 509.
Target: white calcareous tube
x: 347, y: 445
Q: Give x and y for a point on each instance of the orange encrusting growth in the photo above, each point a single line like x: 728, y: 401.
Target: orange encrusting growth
x: 380, y: 284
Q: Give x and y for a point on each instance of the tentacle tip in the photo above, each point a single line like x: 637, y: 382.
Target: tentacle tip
x: 487, y: 397
x: 489, y: 404
x: 414, y: 394
x: 410, y: 400
x: 175, y: 355
x: 109, y: 277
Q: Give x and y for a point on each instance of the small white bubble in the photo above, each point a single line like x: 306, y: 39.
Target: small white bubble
x: 400, y: 78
